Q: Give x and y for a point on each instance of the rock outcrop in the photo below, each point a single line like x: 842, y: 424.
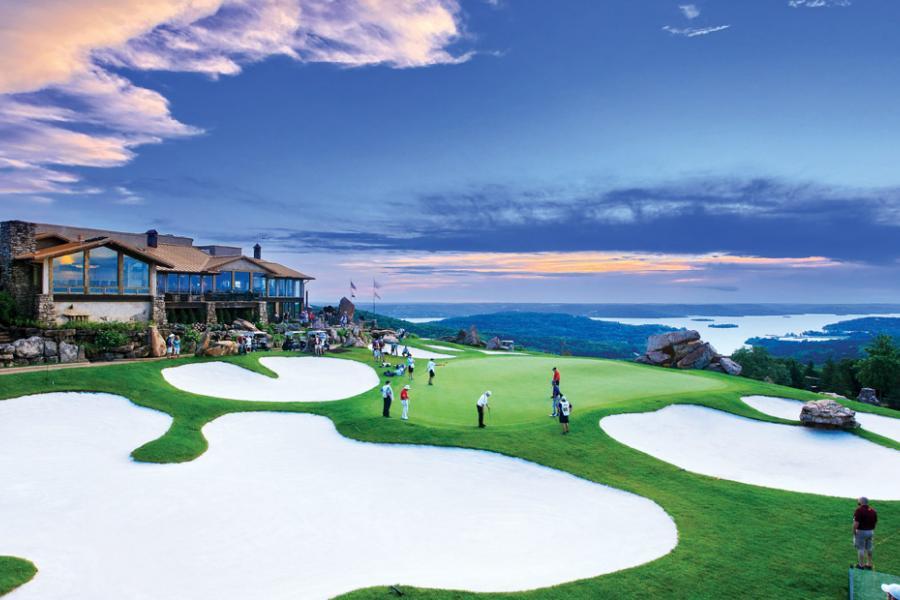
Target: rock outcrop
x: 29, y: 348
x: 472, y: 337
x: 243, y: 325
x: 684, y: 349
x: 346, y: 307
x: 828, y: 414
x: 155, y: 342
x: 868, y: 396
x: 494, y: 344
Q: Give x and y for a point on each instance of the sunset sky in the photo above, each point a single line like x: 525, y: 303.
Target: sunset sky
x: 595, y: 151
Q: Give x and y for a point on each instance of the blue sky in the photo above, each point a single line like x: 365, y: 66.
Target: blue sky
x: 582, y: 151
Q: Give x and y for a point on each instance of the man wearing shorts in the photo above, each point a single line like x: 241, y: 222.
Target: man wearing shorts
x: 864, y: 520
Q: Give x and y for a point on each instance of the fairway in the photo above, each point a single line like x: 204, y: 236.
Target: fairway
x: 521, y: 387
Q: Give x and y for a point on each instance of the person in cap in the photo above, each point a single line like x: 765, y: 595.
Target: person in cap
x: 387, y: 395
x: 864, y: 520
x: 431, y: 367
x: 554, y: 392
x: 892, y: 590
x: 404, y: 402
x: 410, y: 366
x: 170, y: 345
x: 480, y: 405
x: 565, y: 409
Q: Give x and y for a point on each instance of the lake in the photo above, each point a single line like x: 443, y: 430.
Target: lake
x: 727, y: 341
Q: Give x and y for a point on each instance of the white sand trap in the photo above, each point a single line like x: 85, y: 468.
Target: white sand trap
x: 788, y: 457
x: 502, y: 352
x: 785, y: 408
x: 303, y: 379
x: 282, y: 507
x: 417, y: 353
x: 443, y: 348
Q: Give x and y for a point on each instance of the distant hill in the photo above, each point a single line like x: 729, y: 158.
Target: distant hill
x: 547, y: 332
x: 855, y: 335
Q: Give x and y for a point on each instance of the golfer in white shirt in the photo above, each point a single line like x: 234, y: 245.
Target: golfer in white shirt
x: 431, y: 367
x: 480, y: 405
x: 387, y: 394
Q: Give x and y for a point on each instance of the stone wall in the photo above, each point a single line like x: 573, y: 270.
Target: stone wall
x: 16, y: 278
x: 33, y: 346
x: 158, y: 310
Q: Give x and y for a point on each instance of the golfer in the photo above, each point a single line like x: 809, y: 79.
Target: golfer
x: 387, y: 394
x: 565, y: 409
x: 480, y: 405
x: 410, y: 366
x: 554, y: 392
x: 170, y: 345
x: 864, y: 520
x: 404, y: 402
x: 431, y: 367
x: 176, y: 346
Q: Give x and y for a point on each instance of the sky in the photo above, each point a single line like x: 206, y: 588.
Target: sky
x: 475, y: 150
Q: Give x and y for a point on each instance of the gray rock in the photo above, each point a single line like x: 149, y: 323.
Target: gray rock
x: 7, y: 349
x: 494, y: 344
x: 657, y: 357
x: 698, y: 358
x: 68, y: 353
x: 730, y: 366
x: 243, y: 325
x: 346, y: 307
x: 472, y: 337
x: 51, y: 348
x: 868, y: 396
x: 664, y: 340
x: 29, y: 348
x: 828, y: 414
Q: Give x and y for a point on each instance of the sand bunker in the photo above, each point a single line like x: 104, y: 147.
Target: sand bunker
x: 282, y: 507
x: 785, y: 408
x: 419, y: 353
x: 787, y: 457
x: 505, y: 352
x: 304, y: 379
x: 443, y: 348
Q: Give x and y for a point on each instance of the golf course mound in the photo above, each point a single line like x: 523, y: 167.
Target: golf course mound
x: 300, y: 379
x: 720, y: 444
x: 784, y: 408
x: 281, y: 506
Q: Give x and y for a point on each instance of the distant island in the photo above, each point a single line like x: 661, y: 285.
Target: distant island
x: 844, y: 339
x: 702, y: 319
x: 723, y: 325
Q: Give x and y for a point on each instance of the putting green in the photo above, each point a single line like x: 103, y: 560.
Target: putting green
x: 521, y: 387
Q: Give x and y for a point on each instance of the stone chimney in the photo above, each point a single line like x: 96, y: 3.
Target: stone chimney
x: 17, y: 237
x: 152, y: 239
x: 257, y: 252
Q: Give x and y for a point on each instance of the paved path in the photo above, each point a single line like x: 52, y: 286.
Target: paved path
x: 56, y: 367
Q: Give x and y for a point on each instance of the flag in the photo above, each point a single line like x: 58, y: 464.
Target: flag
x: 376, y: 295
x: 376, y: 285
x: 352, y: 289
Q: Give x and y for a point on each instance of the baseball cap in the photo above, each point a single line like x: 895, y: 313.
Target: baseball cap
x: 891, y: 588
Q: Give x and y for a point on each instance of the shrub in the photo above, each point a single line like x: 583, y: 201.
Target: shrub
x: 109, y: 338
x: 8, y: 313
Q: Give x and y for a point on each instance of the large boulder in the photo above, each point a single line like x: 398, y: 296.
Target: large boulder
x: 155, y: 342
x: 699, y: 357
x: 243, y: 325
x: 494, y: 344
x: 664, y: 340
x: 203, y: 344
x: 51, y: 349
x: 828, y: 414
x: 29, y: 348
x: 472, y: 337
x: 658, y: 357
x: 223, y: 348
x: 69, y: 353
x: 347, y: 308
x: 730, y: 366
x: 868, y: 396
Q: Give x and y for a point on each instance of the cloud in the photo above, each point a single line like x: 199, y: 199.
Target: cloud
x: 690, y: 11
x: 694, y: 31
x: 63, y: 105
x: 817, y: 3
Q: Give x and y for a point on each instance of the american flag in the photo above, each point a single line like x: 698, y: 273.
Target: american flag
x: 352, y: 289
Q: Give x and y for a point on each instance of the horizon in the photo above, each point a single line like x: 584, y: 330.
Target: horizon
x: 475, y: 151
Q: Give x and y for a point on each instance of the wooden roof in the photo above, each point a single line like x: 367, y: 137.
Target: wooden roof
x: 72, y: 247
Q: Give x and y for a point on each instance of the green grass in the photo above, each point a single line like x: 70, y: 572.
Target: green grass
x: 734, y: 539
x: 14, y: 572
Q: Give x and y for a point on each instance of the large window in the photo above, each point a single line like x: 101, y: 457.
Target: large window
x: 68, y: 274
x: 184, y: 283
x: 103, y: 271
x: 160, y: 284
x: 136, y: 275
x: 196, y: 284
x: 259, y: 284
x: 207, y: 283
x: 223, y: 281
x: 296, y: 288
x: 241, y: 281
x: 272, y: 286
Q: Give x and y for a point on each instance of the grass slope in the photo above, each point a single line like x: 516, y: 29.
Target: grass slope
x: 14, y: 572
x: 733, y: 538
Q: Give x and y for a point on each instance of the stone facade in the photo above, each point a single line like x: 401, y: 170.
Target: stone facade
x: 17, y: 237
x: 211, y: 313
x: 45, y: 309
x: 158, y: 311
x: 263, y: 313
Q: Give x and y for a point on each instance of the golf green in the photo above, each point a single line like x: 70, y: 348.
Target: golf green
x: 521, y: 387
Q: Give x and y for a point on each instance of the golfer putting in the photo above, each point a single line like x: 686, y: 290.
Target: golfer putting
x: 480, y: 405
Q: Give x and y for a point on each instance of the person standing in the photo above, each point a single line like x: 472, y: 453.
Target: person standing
x: 410, y: 366
x: 170, y: 345
x: 480, y: 405
x: 387, y: 395
x: 404, y: 402
x: 176, y: 346
x: 864, y: 520
x: 554, y: 392
x: 431, y: 367
x: 565, y: 409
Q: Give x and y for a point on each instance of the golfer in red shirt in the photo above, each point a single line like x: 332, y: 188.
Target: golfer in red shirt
x: 864, y: 520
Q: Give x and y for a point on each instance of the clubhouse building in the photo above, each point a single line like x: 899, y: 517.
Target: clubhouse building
x: 60, y: 273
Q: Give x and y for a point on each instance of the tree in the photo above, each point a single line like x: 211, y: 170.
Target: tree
x: 881, y: 368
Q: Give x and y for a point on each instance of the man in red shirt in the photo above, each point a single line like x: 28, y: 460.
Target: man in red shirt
x: 864, y: 520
